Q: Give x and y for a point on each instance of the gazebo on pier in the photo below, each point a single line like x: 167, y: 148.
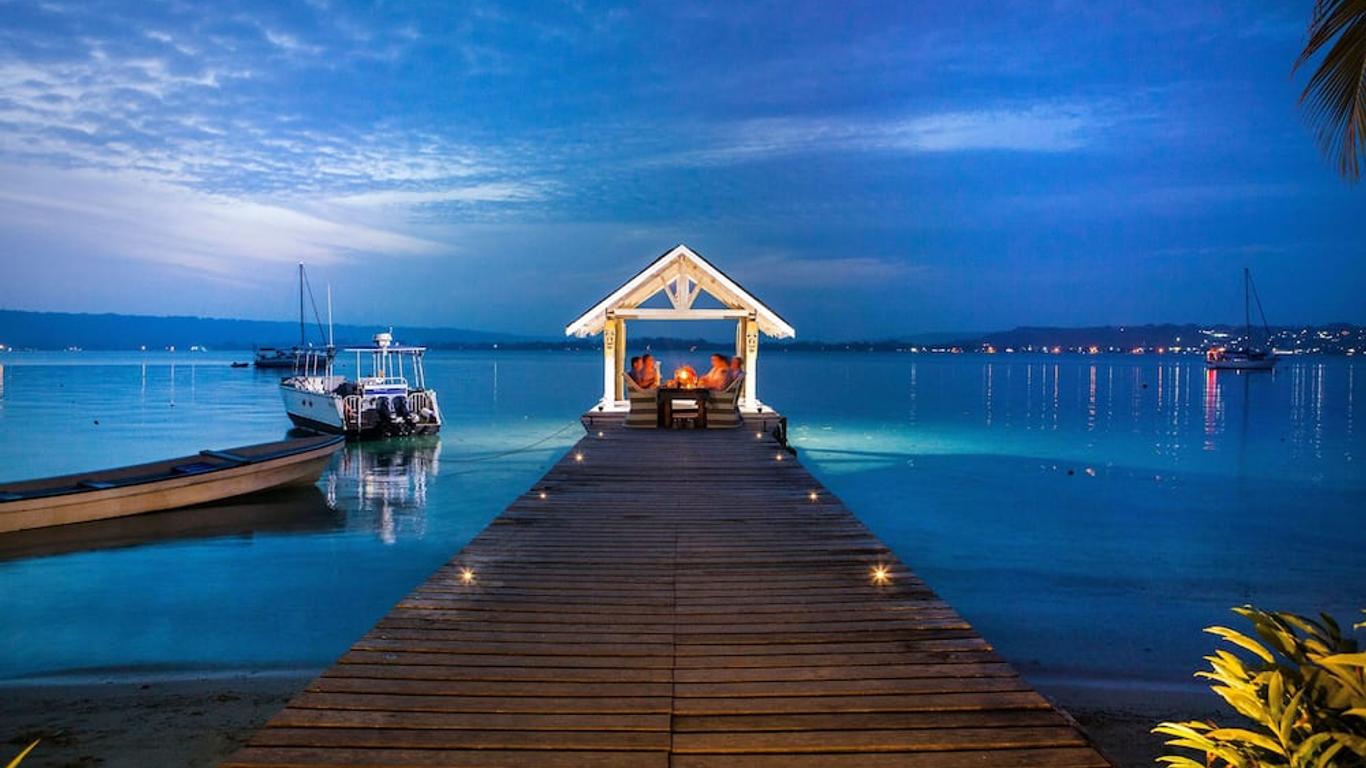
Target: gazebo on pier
x: 682, y: 276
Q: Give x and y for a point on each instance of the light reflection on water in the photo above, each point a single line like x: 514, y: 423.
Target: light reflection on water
x: 287, y: 579
x: 383, y: 485
x: 1089, y: 515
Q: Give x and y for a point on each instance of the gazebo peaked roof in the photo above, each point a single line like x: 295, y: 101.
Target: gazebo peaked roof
x: 681, y: 274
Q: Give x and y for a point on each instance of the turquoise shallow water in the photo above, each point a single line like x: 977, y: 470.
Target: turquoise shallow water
x: 1088, y: 515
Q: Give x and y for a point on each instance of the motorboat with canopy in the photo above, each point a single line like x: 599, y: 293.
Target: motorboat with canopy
x: 382, y: 401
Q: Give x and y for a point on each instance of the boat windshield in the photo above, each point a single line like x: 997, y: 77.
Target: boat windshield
x: 389, y: 365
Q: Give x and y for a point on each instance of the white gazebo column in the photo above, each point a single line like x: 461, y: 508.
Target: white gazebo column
x: 620, y: 363
x: 609, y: 363
x: 751, y: 362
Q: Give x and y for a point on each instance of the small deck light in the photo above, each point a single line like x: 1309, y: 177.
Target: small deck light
x: 466, y: 576
x: 813, y: 496
x: 578, y: 456
x: 599, y: 433
x: 542, y: 495
x: 777, y: 457
x: 758, y: 435
x: 881, y: 575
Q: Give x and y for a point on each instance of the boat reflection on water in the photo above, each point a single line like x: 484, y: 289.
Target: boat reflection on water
x: 297, y: 509
x: 382, y: 485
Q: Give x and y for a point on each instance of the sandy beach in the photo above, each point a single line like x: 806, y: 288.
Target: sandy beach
x: 198, y: 722
x: 128, y: 724
x: 1119, y: 717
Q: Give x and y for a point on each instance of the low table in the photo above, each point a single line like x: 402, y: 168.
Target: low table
x: 666, y: 396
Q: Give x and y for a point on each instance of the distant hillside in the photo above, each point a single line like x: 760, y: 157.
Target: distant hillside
x: 59, y: 330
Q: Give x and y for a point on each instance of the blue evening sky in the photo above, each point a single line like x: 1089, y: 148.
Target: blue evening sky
x: 868, y: 169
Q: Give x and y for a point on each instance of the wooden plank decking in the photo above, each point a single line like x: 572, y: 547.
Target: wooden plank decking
x: 675, y: 598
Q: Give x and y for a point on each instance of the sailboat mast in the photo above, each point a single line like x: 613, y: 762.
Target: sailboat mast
x: 329, y: 316
x: 1247, y: 307
x: 302, y: 338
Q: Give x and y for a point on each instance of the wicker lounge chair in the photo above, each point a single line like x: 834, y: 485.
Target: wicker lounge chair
x: 723, y: 409
x: 644, y: 413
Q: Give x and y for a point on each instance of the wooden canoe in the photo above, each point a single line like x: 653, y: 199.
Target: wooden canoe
x: 182, y: 482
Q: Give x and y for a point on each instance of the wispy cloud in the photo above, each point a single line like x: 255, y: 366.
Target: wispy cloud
x: 814, y: 273
x: 1047, y: 128
x: 151, y: 149
x: 143, y: 114
x: 130, y: 216
x: 290, y: 43
x: 1126, y: 200
x: 492, y: 192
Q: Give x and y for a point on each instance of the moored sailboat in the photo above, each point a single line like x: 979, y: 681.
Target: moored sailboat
x: 1245, y: 357
x: 279, y: 358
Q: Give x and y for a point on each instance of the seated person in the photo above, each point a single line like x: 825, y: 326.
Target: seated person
x: 636, y: 368
x: 649, y: 372
x: 719, y: 375
x: 737, y: 370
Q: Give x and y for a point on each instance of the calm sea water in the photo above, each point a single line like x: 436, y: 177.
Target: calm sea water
x: 1088, y: 515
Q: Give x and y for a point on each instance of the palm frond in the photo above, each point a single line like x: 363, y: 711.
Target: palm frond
x: 1335, y: 97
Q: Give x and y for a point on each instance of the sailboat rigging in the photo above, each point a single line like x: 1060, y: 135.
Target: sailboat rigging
x: 1246, y: 357
x: 279, y: 358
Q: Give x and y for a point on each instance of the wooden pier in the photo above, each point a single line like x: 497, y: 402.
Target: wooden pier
x: 659, y: 598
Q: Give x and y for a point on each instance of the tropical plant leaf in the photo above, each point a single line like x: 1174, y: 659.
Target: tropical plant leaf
x: 1334, y: 99
x: 1304, y: 699
x: 1180, y: 761
x: 1242, y: 641
x: 20, y: 757
x: 1345, y: 659
x: 1292, y: 714
x: 1351, y: 741
x: 1244, y: 735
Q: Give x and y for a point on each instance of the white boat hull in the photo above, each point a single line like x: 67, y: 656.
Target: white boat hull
x: 310, y: 410
x: 335, y: 414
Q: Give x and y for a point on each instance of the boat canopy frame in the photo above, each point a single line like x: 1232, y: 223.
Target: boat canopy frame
x: 379, y: 364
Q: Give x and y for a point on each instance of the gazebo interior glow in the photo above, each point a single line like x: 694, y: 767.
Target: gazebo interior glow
x: 681, y: 275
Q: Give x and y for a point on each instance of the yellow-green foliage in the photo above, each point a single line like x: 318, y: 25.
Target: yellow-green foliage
x: 1303, y: 691
x: 19, y: 758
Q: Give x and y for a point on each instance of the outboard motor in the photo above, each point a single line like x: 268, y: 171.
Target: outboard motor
x: 401, y: 407
x: 385, y: 412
